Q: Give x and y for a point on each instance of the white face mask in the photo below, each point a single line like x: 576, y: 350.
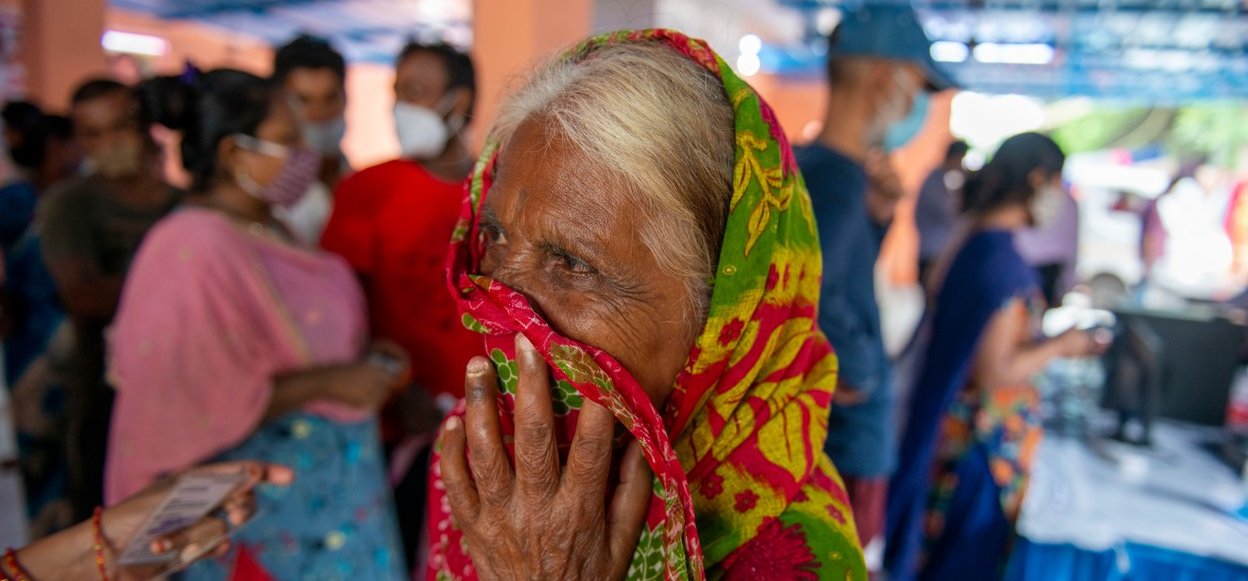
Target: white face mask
x: 1047, y: 206
x: 422, y: 131
x: 325, y: 137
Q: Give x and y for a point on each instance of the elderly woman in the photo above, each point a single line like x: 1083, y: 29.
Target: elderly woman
x: 638, y: 248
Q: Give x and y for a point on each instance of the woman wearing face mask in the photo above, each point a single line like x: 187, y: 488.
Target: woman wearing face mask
x: 233, y: 342
x: 391, y: 223
x: 973, y: 419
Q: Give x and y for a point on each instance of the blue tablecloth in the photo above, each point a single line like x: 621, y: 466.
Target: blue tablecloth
x: 1100, y: 510
x: 1131, y: 561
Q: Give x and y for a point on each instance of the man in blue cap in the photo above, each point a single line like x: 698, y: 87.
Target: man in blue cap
x: 879, y: 71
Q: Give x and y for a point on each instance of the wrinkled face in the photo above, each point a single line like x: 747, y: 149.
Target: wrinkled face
x: 318, y: 93
x: 556, y: 232
x: 107, y: 128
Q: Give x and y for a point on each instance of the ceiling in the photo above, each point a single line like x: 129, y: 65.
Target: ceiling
x: 1154, y: 51
x: 364, y: 30
x: 1160, y: 51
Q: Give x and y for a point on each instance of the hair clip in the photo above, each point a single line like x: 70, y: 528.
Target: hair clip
x: 190, y: 75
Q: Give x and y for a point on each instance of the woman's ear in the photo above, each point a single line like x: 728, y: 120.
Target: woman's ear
x: 1036, y: 179
x: 227, y: 155
x: 462, y: 102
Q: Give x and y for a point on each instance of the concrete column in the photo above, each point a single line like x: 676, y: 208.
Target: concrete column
x: 612, y: 15
x: 510, y: 37
x: 60, y: 44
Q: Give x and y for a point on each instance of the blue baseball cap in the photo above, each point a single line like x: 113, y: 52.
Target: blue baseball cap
x: 891, y: 31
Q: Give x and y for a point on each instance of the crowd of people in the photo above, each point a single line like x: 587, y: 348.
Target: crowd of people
x: 655, y: 350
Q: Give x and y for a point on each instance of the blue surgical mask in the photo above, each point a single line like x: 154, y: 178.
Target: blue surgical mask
x: 901, y: 132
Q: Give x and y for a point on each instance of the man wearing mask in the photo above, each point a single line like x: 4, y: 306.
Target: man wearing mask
x: 90, y: 232
x: 314, y: 74
x: 879, y: 69
x: 392, y: 222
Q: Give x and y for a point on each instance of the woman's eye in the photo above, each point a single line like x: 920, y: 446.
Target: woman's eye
x: 492, y: 234
x: 573, y: 264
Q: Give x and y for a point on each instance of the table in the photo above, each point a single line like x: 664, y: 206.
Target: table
x: 1098, y: 509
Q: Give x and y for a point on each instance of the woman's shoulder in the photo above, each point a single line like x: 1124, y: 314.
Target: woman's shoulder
x: 990, y: 259
x: 192, y: 228
x: 191, y: 221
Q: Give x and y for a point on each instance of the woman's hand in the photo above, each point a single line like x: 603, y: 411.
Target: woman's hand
x: 207, y: 537
x: 540, y: 520
x: 1076, y: 343
x: 69, y: 554
x: 368, y: 383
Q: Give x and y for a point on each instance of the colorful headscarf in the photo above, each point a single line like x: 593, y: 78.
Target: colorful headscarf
x: 742, y: 486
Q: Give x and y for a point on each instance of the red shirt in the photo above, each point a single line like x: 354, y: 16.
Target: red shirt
x: 392, y: 222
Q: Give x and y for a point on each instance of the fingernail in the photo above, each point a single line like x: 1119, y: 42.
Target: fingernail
x: 523, y: 344
x: 477, y: 366
x: 452, y: 423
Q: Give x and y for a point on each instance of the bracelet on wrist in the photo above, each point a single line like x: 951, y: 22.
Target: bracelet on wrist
x: 12, y: 566
x: 99, y: 542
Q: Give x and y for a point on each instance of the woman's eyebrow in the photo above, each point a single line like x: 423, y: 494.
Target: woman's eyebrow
x: 574, y: 240
x: 489, y: 218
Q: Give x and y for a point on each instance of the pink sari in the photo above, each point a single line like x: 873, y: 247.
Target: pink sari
x: 210, y: 314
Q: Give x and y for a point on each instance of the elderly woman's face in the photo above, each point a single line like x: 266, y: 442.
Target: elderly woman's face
x: 557, y: 232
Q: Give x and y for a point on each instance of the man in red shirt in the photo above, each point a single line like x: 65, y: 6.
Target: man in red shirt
x: 392, y: 222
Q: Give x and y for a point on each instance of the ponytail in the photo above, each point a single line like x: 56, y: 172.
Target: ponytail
x: 206, y: 108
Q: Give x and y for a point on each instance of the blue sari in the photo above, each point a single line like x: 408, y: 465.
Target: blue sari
x: 946, y: 518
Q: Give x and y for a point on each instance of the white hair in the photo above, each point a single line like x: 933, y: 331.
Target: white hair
x: 657, y: 123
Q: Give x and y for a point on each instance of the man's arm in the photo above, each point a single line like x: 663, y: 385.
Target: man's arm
x: 842, y: 325
x: 884, y: 189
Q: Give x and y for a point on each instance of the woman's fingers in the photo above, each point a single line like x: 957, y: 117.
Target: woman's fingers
x: 239, y: 508
x: 589, y: 461
x: 193, y: 541
x: 255, y: 471
x: 537, y: 457
x: 629, y: 505
x: 490, y: 466
x: 277, y: 475
x: 460, y: 491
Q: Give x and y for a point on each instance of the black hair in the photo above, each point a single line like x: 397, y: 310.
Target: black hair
x: 207, y: 108
x: 25, y: 121
x: 94, y: 89
x: 958, y: 148
x: 308, y: 52
x: 460, y: 71
x: 1005, y: 179
x: 59, y: 127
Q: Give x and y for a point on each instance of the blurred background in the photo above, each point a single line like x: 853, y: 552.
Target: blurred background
x: 1149, y: 98
x: 1131, y: 89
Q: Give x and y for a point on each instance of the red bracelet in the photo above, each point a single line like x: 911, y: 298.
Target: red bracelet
x: 11, y: 564
x: 98, y: 530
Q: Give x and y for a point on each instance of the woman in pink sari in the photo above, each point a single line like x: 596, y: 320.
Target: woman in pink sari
x: 234, y: 342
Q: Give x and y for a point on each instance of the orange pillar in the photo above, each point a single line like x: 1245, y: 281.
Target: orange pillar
x: 510, y: 37
x: 61, y: 47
